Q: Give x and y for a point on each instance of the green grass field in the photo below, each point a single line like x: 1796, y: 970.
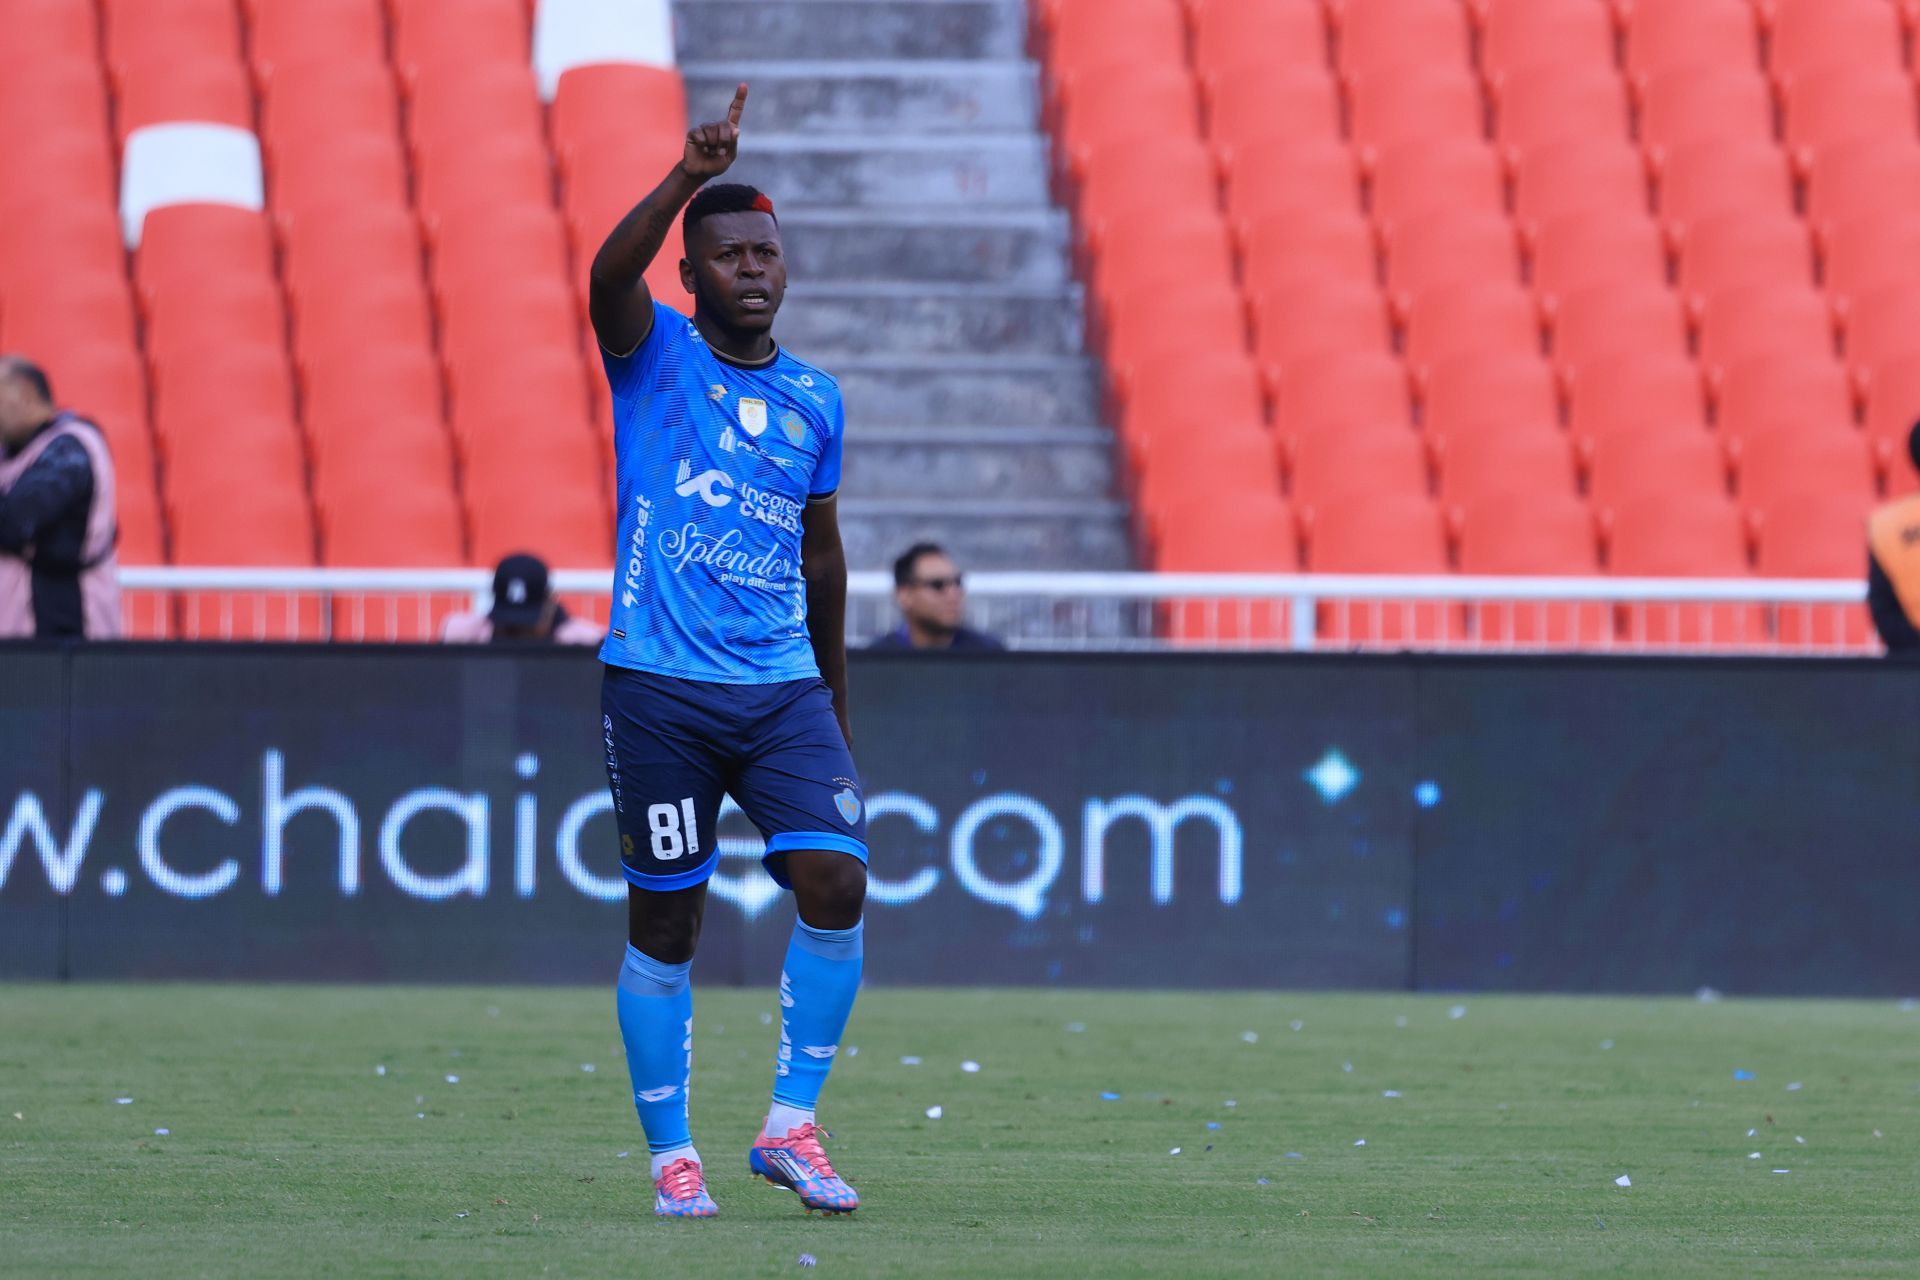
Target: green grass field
x: 288, y: 1154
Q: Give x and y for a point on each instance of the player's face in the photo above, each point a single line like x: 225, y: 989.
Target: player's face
x: 739, y: 274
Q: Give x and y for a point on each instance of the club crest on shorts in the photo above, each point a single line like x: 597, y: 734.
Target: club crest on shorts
x: 795, y: 426
x: 849, y: 805
x: 753, y: 416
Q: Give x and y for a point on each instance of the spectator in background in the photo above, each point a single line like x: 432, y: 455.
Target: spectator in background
x: 1893, y: 567
x: 932, y: 600
x: 524, y: 611
x: 58, y: 577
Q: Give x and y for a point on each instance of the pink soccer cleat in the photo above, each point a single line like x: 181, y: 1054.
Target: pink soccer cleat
x: 798, y: 1163
x: 681, y: 1192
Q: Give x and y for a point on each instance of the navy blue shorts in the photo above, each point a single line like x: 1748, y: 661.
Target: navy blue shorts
x: 675, y: 747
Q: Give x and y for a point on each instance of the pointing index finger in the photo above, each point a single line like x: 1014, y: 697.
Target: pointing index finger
x: 739, y: 105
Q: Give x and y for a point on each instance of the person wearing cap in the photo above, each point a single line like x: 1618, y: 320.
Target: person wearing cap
x: 524, y: 611
x: 1893, y: 568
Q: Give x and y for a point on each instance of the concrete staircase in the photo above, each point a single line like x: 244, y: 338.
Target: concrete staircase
x: 900, y: 140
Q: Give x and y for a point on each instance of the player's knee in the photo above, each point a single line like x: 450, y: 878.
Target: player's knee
x: 831, y: 887
x: 665, y: 926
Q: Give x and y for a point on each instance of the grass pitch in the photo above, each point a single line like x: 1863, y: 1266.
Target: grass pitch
x: 286, y: 1152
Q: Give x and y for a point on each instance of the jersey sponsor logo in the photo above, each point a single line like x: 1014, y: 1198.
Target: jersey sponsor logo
x: 636, y: 568
x: 716, y: 391
x: 728, y: 440
x: 723, y: 553
x: 753, y: 416
x: 707, y: 484
x: 770, y: 508
x: 805, y: 383
x: 795, y: 426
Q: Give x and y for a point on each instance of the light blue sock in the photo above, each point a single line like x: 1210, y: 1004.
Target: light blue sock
x: 655, y: 1002
x: 817, y: 989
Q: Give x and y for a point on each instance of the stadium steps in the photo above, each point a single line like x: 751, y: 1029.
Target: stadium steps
x: 900, y: 141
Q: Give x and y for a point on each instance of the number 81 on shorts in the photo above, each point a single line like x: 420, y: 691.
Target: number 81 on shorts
x: 672, y: 830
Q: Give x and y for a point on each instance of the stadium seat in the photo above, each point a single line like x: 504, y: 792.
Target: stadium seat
x: 63, y: 30
x: 1754, y: 319
x: 1151, y: 325
x: 508, y: 239
x: 1576, y: 250
x: 1893, y: 406
x: 1807, y: 390
x: 540, y: 381
x: 1177, y: 465
x: 49, y: 96
x: 1217, y: 387
x: 1792, y: 461
x: 314, y: 175
x: 1533, y: 534
x: 337, y: 385
x: 1287, y: 35
x: 1571, y: 176
x: 566, y: 532
x: 1629, y: 392
x: 54, y: 242
x: 253, y: 522
x: 1700, y: 180
x: 479, y: 32
x: 1521, y: 33
x: 328, y: 246
x: 1248, y: 104
x: 1415, y: 102
x: 1443, y: 246
x: 1372, y: 34
x: 1272, y: 171
x: 1356, y: 389
x: 167, y: 88
x: 1338, y: 466
x: 1387, y: 533
x: 1861, y: 177
x: 1703, y: 104
x: 186, y: 243
x: 1882, y: 325
x: 1602, y: 320
x: 47, y: 314
x: 1309, y: 317
x: 452, y: 103
x: 1627, y: 465
x: 452, y: 181
x: 1237, y: 530
x: 1290, y: 242
x: 1840, y: 104
x: 1463, y: 176
x: 103, y: 381
x: 1132, y: 173
x: 1682, y: 535
x: 283, y: 33
x: 1490, y: 317
x: 305, y: 100
x: 406, y: 455
x: 192, y: 400
x: 159, y: 32
x: 71, y: 162
x: 1742, y: 246
x: 1538, y: 103
x: 1477, y: 387
x: 1664, y: 35
x: 571, y: 34
x: 1815, y: 535
x: 1810, y: 36
x: 594, y: 101
x: 1479, y: 466
x: 1105, y: 104
x: 1870, y: 252
x: 387, y: 526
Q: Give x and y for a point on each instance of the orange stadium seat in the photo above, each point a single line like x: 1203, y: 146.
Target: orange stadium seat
x: 1356, y: 389
x: 285, y: 32
x: 1532, y: 533
x: 55, y: 242
x: 1391, y: 533
x: 1883, y: 325
x: 1248, y: 103
x: 1289, y: 242
x: 1737, y: 247
x: 71, y: 163
x: 1687, y: 535
x: 1175, y: 463
x: 1893, y: 407
x: 1463, y: 176
x: 1209, y: 387
x: 158, y: 32
x: 1278, y: 171
x: 1701, y: 179
x: 1517, y: 33
x: 1371, y: 34
x: 1572, y: 176
x: 1100, y: 105
x: 1704, y: 103
x: 1629, y: 465
x: 416, y: 526
x: 1861, y: 177
x: 1149, y: 325
x: 1539, y: 103
x: 192, y: 321
x: 313, y: 175
x: 1790, y: 461
x: 52, y: 96
x: 1471, y: 391
x: 308, y: 99
x: 1594, y: 248
x: 184, y: 243
x: 360, y: 316
x: 1288, y: 35
x: 1840, y: 104
x: 254, y: 521
x: 1478, y: 467
x: 1136, y: 173
x: 103, y: 381
x: 1244, y: 530
x: 452, y: 103
x: 1664, y: 35
x: 1444, y: 245
x: 1806, y: 389
x: 431, y: 32
x: 507, y: 239
x: 402, y: 378
x: 1416, y: 102
x: 1471, y: 317
x: 569, y: 533
x: 406, y: 454
x: 1342, y: 466
x: 1755, y: 319
x: 1617, y: 318
x: 49, y: 315
x: 1815, y: 535
x: 453, y: 180
x: 1305, y: 318
x: 645, y: 107
x: 1631, y: 391
x: 219, y: 386
x: 542, y: 380
x: 62, y: 30
x: 1806, y: 36
x: 166, y: 88
x: 1869, y: 252
x: 328, y: 246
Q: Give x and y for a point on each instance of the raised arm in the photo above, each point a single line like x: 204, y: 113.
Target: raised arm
x: 617, y: 298
x: 823, y: 565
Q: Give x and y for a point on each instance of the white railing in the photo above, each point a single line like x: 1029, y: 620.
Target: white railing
x: 1097, y: 611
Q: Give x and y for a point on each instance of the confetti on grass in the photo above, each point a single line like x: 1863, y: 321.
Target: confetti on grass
x: 1741, y: 1073
x: 808, y: 1260
x: 453, y: 1079
x: 935, y: 1112
x: 970, y: 1067
x: 1109, y: 1096
x: 122, y: 1102
x: 380, y: 1070
x: 910, y: 1061
x: 1623, y: 1181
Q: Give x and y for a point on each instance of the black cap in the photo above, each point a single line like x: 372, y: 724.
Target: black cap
x: 520, y: 591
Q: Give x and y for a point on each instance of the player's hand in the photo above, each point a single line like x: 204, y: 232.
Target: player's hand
x: 711, y: 148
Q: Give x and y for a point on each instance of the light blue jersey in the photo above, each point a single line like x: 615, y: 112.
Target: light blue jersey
x: 716, y: 462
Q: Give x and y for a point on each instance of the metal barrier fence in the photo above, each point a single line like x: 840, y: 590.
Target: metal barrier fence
x: 1097, y: 611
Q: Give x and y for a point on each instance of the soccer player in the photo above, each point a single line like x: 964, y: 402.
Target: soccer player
x: 726, y: 666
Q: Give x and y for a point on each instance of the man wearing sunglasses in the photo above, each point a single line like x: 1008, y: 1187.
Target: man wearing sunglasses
x: 932, y: 599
